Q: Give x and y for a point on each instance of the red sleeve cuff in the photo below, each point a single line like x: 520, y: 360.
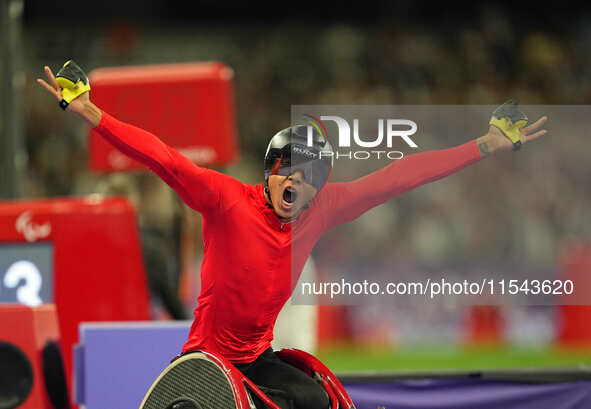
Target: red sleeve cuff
x: 106, y: 119
x: 472, y: 150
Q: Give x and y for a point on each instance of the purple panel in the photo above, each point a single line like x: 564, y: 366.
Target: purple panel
x: 78, y: 384
x: 121, y: 360
x: 118, y: 362
x: 470, y: 394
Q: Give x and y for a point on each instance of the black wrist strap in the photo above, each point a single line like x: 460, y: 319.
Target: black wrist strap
x: 517, y: 146
x: 63, y: 104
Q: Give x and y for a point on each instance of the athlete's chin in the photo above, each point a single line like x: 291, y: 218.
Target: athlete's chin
x: 288, y: 213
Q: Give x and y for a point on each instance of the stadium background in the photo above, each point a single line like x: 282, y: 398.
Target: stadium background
x: 378, y: 53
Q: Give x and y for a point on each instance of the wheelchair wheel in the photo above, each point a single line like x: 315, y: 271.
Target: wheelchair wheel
x: 192, y: 381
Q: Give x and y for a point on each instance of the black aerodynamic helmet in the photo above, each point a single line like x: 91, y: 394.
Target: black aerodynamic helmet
x: 289, y: 151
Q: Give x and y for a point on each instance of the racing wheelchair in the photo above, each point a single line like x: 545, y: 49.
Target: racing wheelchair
x: 203, y: 380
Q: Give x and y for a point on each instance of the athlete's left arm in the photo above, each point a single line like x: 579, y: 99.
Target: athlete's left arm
x: 340, y: 203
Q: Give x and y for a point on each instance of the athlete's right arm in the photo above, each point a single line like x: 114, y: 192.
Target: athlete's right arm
x: 201, y: 188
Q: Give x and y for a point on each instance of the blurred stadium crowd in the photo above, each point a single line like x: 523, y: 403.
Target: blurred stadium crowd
x: 520, y: 207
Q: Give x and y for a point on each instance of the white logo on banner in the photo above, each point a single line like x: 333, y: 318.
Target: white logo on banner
x: 31, y: 231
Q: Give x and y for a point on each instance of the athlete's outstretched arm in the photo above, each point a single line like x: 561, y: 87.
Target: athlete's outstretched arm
x: 342, y: 202
x: 200, y: 188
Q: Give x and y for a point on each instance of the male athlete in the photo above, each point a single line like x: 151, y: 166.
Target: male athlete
x: 249, y: 231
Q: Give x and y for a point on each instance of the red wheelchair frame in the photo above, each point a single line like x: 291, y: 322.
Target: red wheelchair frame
x: 339, y: 399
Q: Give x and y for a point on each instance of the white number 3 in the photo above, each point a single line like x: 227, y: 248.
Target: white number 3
x: 28, y: 293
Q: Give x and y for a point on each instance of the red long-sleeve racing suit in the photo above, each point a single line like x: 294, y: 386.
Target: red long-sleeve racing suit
x: 248, y: 265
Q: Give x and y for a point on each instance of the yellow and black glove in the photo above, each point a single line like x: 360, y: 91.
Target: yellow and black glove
x: 73, y: 82
x: 509, y: 119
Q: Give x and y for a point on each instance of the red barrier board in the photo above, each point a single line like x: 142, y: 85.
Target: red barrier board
x: 189, y: 106
x: 83, y: 255
x: 573, y: 320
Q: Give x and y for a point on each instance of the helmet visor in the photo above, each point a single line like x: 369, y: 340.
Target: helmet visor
x: 295, y: 157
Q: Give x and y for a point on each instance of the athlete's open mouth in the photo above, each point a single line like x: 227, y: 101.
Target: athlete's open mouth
x: 289, y: 195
